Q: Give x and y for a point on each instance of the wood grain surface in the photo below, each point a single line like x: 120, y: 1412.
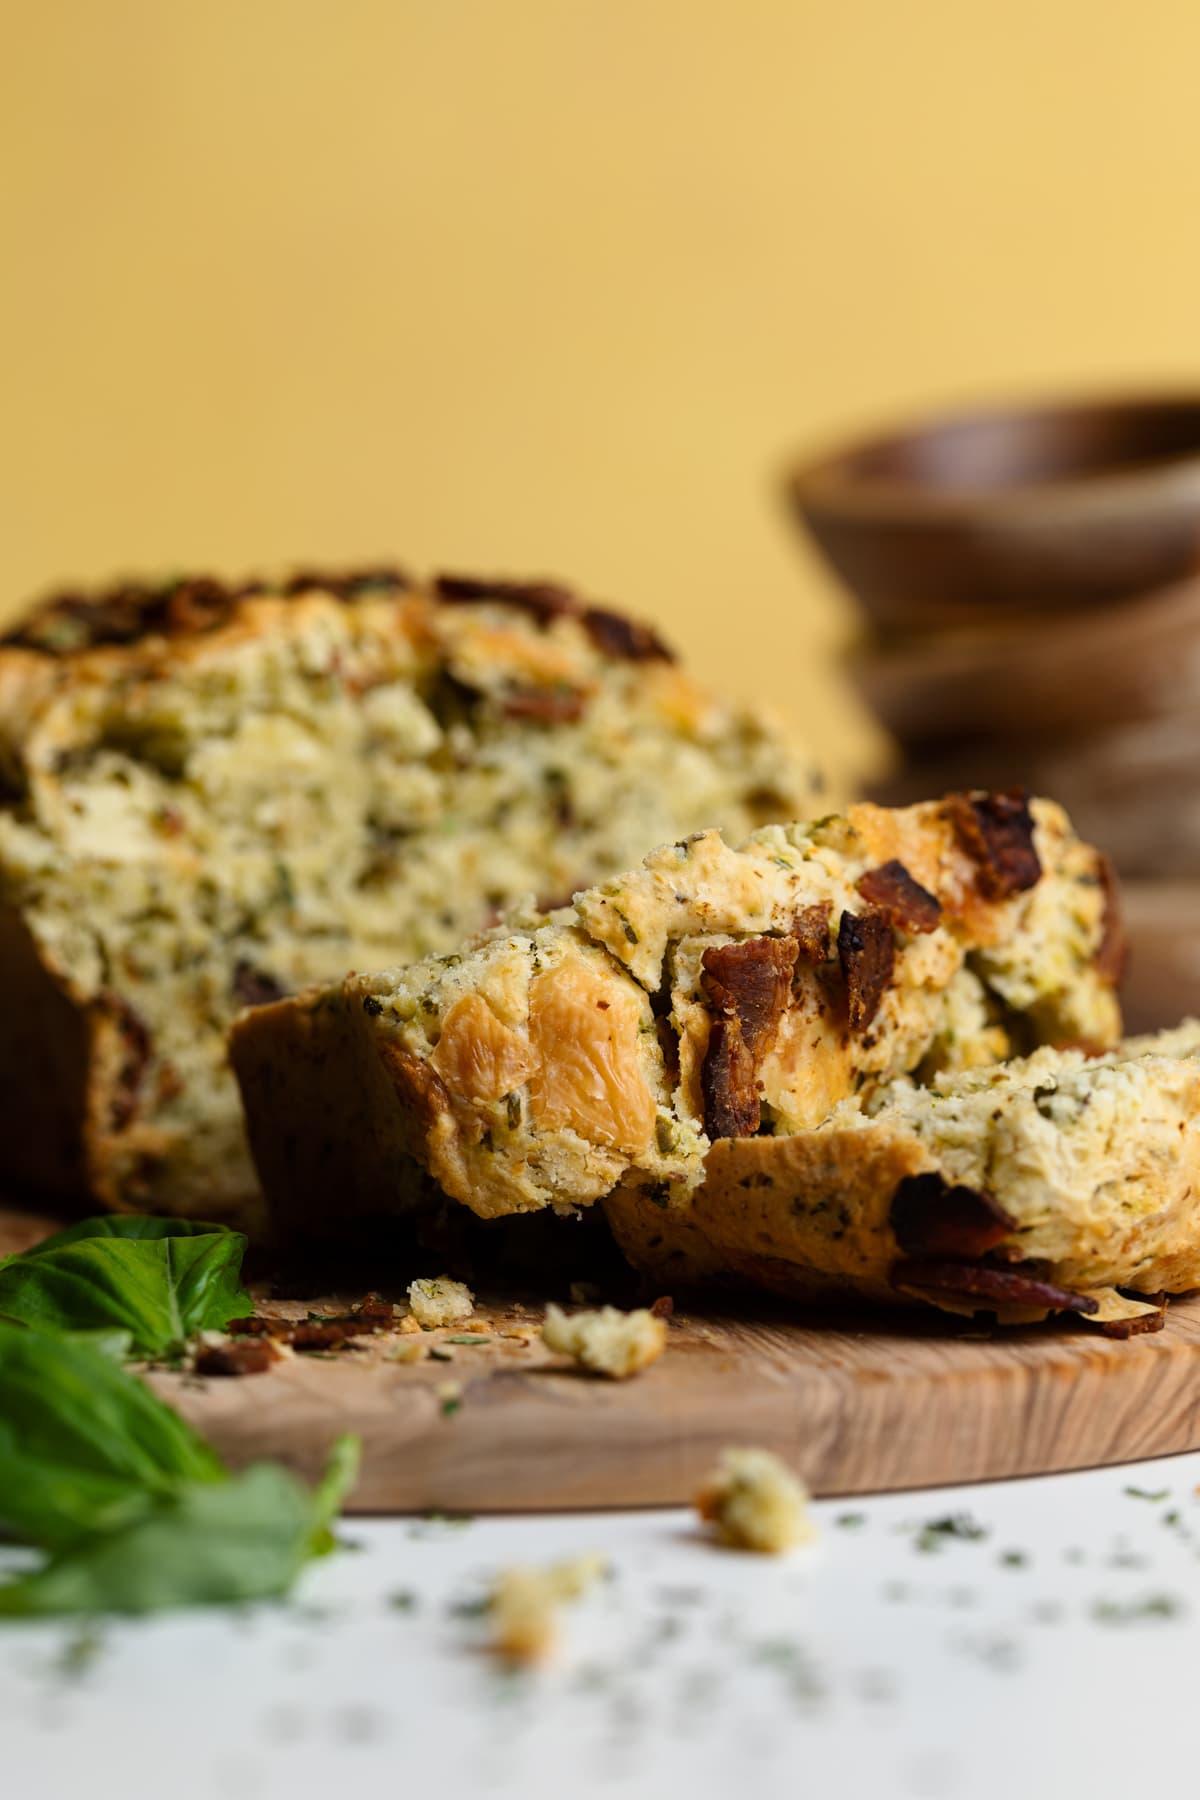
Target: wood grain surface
x: 857, y: 1403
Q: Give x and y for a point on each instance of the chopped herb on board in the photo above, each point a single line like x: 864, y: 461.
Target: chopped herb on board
x: 1155, y: 1494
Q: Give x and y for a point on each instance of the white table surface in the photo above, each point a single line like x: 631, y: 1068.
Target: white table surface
x: 862, y: 1666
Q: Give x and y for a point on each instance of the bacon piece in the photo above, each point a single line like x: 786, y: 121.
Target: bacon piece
x: 996, y: 830
x: 370, y: 1315
x: 374, y: 1313
x: 132, y: 609
x: 747, y: 985
x: 908, y: 905
x: 560, y: 705
x: 546, y: 600
x: 750, y: 982
x: 1134, y: 1327
x: 321, y: 1334
x: 254, y: 987
x: 727, y: 1083
x: 867, y: 953
x: 625, y: 638
x: 1141, y: 1323
x: 253, y: 1356
x: 1008, y: 1287
x: 931, y: 1218
x: 810, y: 928
x: 663, y: 1307
x: 348, y: 584
x: 1113, y: 955
x: 199, y: 605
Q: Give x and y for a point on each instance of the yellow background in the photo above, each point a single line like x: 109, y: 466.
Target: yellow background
x: 556, y: 288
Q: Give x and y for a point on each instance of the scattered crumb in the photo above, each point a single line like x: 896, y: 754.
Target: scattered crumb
x: 233, y: 1356
x: 408, y: 1324
x: 525, y: 1604
x: 440, y: 1301
x: 607, y: 1342
x: 407, y: 1352
x: 755, y: 1502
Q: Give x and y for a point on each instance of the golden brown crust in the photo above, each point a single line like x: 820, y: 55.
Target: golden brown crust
x: 127, y: 612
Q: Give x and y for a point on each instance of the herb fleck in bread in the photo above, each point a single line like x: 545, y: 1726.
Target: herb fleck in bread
x: 212, y: 796
x: 712, y: 995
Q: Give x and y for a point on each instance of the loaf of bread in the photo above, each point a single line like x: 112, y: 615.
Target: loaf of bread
x: 712, y: 995
x: 1045, y: 1184
x: 211, y: 796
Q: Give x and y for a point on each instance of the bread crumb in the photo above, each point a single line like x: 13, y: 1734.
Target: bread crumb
x: 755, y: 1503
x: 525, y: 1606
x: 608, y: 1341
x: 440, y: 1301
x: 404, y: 1352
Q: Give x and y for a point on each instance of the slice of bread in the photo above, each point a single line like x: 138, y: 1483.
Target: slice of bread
x: 712, y: 995
x: 1039, y: 1185
x: 212, y: 796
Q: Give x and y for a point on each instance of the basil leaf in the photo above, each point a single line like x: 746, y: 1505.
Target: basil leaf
x: 242, y: 1539
x: 341, y: 1472
x: 84, y: 1447
x: 160, y: 1290
x: 135, y: 1226
x: 114, y: 1344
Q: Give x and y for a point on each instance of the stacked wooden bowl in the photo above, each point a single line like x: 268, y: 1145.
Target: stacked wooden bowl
x: 1030, y: 584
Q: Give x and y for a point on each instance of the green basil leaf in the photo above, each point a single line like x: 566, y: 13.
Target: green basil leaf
x: 116, y: 1345
x: 134, y: 1226
x: 242, y: 1539
x: 84, y: 1447
x: 341, y: 1472
x: 160, y: 1290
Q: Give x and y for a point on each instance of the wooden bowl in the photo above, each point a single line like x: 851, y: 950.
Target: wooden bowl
x: 1162, y: 924
x: 1070, y: 673
x: 1032, y: 509
x: 1132, y: 789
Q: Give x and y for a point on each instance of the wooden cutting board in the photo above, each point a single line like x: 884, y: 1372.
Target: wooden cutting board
x: 856, y: 1402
